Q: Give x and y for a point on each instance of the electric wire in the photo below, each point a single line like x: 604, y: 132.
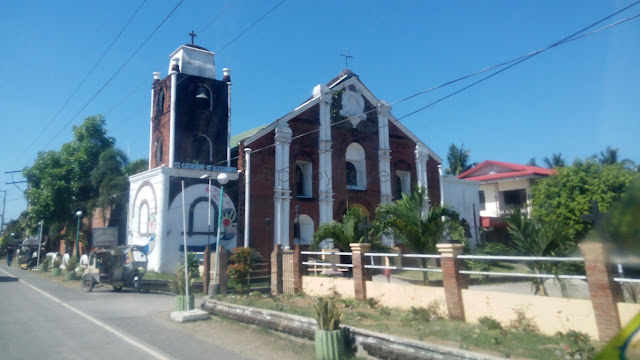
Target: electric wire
x: 82, y: 82
x: 251, y: 26
x: 135, y: 52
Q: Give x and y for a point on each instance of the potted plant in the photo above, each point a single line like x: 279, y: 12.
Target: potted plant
x: 44, y: 265
x: 70, y: 272
x: 181, y: 298
x: 329, y: 339
x: 55, y: 270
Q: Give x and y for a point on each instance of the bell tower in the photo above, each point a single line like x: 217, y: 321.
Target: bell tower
x: 190, y: 111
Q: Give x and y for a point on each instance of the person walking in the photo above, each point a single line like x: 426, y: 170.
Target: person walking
x: 9, y: 255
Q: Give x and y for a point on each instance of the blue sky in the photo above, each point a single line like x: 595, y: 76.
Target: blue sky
x: 575, y: 99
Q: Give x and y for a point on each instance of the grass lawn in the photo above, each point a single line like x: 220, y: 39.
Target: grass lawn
x: 421, y: 324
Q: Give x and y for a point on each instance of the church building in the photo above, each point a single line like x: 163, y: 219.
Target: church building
x: 341, y: 148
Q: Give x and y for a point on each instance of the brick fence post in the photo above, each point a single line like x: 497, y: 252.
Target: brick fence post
x: 276, y: 270
x: 360, y: 274
x: 222, y: 270
x: 452, y: 281
x: 298, y: 269
x: 605, y: 293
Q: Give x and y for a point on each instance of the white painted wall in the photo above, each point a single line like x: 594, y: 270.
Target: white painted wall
x: 462, y: 195
x: 494, y: 202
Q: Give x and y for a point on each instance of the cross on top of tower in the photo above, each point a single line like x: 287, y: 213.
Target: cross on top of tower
x: 193, y: 35
x: 346, y: 58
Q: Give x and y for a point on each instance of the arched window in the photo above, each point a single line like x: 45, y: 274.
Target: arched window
x: 160, y: 103
x: 306, y: 230
x: 143, y: 218
x: 356, y: 167
x: 398, y: 188
x: 299, y: 180
x: 159, y: 145
x: 303, y: 179
x: 204, y: 97
x: 198, y: 221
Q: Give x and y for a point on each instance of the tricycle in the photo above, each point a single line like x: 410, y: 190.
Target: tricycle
x: 121, y: 266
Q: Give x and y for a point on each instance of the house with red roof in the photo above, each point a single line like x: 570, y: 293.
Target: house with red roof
x: 503, y: 186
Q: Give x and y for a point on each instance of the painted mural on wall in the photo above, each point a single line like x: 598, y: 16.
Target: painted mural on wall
x: 143, y: 221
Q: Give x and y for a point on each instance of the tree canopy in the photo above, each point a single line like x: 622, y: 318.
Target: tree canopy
x: 563, y: 198
x: 458, y: 158
x: 88, y: 172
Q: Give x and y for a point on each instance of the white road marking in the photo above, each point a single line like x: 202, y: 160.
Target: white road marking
x: 115, y: 332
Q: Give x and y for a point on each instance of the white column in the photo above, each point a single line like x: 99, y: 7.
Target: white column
x: 325, y: 186
x: 247, y: 194
x: 384, y: 152
x: 172, y: 115
x: 441, y: 185
x: 156, y: 77
x: 281, y: 189
x: 422, y: 155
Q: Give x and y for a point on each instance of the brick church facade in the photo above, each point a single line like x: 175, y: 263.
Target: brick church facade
x: 341, y: 148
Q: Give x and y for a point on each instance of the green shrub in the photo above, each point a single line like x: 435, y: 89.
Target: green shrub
x: 489, y: 323
x: 523, y: 323
x: 57, y: 262
x: 192, y: 272
x: 384, y: 311
x: 577, y: 345
x: 242, y: 260
x: 71, y: 264
x: 373, y: 302
x: 328, y: 313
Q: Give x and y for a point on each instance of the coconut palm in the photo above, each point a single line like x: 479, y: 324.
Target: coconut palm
x: 610, y: 157
x: 458, y: 159
x: 349, y: 230
x: 556, y: 161
x: 410, y: 223
x: 532, y: 238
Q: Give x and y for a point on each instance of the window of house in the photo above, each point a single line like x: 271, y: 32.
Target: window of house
x: 515, y: 198
x: 355, y: 167
x: 303, y: 179
x: 159, y: 150
x: 482, y: 200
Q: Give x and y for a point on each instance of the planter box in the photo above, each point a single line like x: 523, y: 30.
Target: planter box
x: 42, y: 268
x: 181, y: 303
x: 55, y: 272
x: 329, y: 344
x: 69, y: 275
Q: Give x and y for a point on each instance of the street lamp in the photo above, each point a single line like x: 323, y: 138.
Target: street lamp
x: 79, y: 216
x: 207, y: 265
x: 223, y: 179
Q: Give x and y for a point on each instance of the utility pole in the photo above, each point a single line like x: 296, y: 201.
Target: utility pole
x: 4, y: 203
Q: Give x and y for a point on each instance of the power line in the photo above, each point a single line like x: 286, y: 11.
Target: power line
x: 217, y: 16
x: 100, y: 58
x: 251, y: 26
x: 135, y: 52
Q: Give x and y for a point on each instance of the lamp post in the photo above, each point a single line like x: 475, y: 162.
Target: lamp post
x: 207, y: 264
x: 223, y: 179
x: 79, y: 216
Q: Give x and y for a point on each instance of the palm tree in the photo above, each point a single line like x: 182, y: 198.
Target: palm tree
x: 556, y: 161
x: 532, y: 162
x: 610, y: 157
x: 532, y: 238
x: 349, y: 230
x: 410, y: 223
x: 458, y: 159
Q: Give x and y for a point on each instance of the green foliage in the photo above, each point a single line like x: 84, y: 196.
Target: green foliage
x: 489, y: 323
x: 407, y: 220
x: 533, y: 238
x: 57, y: 262
x: 241, y: 267
x: 458, y: 159
x: 336, y: 106
x: 621, y: 224
x: 192, y: 273
x: 522, y: 322
x: 373, y: 302
x: 348, y: 231
x: 577, y: 345
x: 71, y: 264
x: 556, y: 161
x: 328, y: 313
x: 564, y: 197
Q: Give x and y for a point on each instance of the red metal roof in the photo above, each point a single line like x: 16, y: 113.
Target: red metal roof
x: 514, y: 170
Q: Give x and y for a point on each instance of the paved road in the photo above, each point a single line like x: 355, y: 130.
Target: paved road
x: 45, y: 319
